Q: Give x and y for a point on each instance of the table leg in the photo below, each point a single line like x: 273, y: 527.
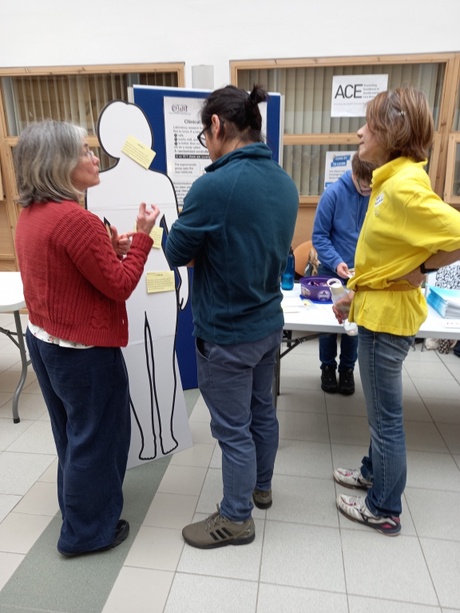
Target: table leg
x: 25, y: 363
x: 276, y: 378
x: 291, y: 344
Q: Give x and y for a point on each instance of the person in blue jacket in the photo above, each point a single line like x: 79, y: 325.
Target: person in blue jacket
x: 338, y: 221
x: 236, y: 228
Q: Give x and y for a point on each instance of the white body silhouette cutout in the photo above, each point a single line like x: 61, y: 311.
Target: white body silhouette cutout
x: 159, y: 416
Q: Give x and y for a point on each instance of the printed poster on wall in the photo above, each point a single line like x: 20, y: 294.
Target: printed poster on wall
x: 337, y: 162
x: 186, y: 158
x: 351, y: 93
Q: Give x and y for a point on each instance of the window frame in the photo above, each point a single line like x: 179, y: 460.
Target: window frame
x: 449, y: 194
x: 9, y: 210
x: 438, y: 170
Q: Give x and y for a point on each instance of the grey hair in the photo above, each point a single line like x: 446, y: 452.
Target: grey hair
x: 45, y: 157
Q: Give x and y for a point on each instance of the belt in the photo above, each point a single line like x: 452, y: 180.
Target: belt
x: 396, y: 287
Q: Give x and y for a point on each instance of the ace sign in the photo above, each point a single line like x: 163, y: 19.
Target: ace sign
x: 350, y: 93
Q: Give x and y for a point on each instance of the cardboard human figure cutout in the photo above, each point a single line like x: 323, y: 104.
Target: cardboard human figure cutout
x: 159, y: 416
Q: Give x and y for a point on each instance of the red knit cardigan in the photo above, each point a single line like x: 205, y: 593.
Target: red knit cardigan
x: 75, y: 286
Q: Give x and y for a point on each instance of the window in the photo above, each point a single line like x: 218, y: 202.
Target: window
x: 452, y: 193
x: 76, y: 94
x: 310, y: 131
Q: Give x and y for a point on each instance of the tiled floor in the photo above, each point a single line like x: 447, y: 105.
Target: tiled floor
x: 306, y: 558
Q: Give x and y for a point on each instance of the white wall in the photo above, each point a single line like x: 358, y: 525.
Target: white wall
x: 53, y: 32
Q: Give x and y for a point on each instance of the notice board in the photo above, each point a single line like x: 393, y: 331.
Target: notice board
x: 173, y: 115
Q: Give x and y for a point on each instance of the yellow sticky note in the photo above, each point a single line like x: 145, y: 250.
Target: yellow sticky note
x: 156, y: 235
x: 160, y: 282
x: 138, y: 152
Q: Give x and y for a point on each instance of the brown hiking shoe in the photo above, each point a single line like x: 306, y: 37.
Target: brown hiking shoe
x: 262, y: 499
x: 218, y: 531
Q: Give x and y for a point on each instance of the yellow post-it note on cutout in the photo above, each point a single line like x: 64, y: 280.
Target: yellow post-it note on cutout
x: 138, y: 152
x: 160, y: 282
x: 157, y: 236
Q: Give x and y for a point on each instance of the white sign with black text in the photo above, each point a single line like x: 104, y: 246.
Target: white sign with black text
x: 351, y: 93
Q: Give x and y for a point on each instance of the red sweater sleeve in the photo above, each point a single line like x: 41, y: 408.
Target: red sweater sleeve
x: 74, y: 284
x: 88, y: 246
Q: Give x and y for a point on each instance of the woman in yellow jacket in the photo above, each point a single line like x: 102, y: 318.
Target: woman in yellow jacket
x: 408, y: 231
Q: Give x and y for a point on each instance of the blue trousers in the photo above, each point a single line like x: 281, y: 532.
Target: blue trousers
x: 381, y: 358
x: 236, y: 384
x: 328, y: 342
x: 86, y: 393
x: 348, y: 350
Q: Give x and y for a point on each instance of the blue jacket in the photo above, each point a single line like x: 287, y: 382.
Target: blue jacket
x: 237, y: 223
x: 338, y: 221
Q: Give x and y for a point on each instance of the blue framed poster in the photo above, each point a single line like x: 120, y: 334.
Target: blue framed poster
x: 174, y: 117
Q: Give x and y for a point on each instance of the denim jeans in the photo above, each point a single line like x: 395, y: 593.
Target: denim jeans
x: 348, y: 350
x: 236, y: 384
x: 328, y: 342
x: 86, y: 393
x: 381, y: 358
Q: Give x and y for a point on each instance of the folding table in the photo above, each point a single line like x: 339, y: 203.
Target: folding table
x: 317, y: 318
x: 12, y: 301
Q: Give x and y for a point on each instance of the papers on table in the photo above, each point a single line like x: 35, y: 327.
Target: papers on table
x: 293, y: 304
x: 445, y: 301
x: 296, y: 304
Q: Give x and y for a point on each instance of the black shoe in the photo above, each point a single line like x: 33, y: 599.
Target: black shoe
x: 262, y: 499
x: 121, y: 533
x: 329, y: 379
x: 346, y: 382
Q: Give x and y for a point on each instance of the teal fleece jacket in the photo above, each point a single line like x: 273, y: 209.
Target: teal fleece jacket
x: 237, y: 224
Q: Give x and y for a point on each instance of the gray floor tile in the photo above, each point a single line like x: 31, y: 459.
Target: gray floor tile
x: 435, y: 471
x: 443, y: 559
x: 432, y: 513
x: 358, y: 604
x: 401, y: 573
x: 198, y: 594
x: 297, y: 555
x: 303, y: 426
x: 303, y: 500
x: 282, y: 599
x: 303, y: 459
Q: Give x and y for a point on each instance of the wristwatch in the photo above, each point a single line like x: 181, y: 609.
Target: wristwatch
x: 426, y: 271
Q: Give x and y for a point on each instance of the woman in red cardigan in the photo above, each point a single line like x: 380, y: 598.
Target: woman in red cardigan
x: 77, y: 277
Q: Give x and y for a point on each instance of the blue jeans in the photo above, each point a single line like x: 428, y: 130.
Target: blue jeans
x: 381, y: 358
x: 236, y: 384
x: 348, y: 351
x: 328, y: 342
x: 86, y: 393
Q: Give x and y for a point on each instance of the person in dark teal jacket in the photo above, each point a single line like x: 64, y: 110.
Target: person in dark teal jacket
x: 236, y: 228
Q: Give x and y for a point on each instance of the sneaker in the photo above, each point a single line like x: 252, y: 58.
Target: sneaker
x: 354, y: 508
x: 346, y: 382
x: 218, y: 531
x: 329, y: 379
x: 262, y: 499
x: 351, y: 478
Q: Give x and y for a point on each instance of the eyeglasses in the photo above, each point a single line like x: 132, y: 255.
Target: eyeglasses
x: 202, y: 137
x: 88, y: 153
x: 364, y: 189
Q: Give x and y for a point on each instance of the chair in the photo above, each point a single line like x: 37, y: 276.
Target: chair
x: 304, y: 253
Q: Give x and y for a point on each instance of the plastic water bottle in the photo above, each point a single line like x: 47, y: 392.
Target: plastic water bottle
x: 287, y: 278
x: 338, y: 291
